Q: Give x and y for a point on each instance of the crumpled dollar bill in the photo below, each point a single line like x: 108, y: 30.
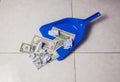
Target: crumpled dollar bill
x: 43, y: 51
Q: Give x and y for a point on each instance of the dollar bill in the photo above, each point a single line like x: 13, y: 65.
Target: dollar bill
x: 64, y: 34
x: 41, y: 50
x: 48, y: 48
x: 59, y: 43
x: 25, y: 48
x: 37, y: 62
x: 36, y: 44
x: 36, y: 39
x: 61, y: 39
x: 54, y: 55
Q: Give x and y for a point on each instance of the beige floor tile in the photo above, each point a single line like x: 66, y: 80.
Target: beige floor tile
x: 19, y: 68
x: 103, y: 34
x: 97, y: 67
x: 21, y: 19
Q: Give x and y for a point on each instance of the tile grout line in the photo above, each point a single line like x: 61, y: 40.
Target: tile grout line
x: 98, y: 52
x: 11, y: 53
x: 74, y: 52
x: 71, y: 8
x: 75, y: 67
x: 84, y: 52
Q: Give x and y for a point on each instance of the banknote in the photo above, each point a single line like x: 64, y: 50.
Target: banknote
x: 25, y: 48
x: 58, y: 43
x: 64, y: 34
x: 54, y: 55
x: 42, y: 50
x: 39, y: 44
x: 40, y: 62
x: 36, y: 39
x: 61, y: 39
x: 43, y: 47
x: 37, y: 62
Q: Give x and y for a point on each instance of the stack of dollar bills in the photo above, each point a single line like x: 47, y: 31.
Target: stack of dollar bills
x: 43, y: 51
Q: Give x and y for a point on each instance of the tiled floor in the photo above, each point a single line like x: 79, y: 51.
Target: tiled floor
x: 103, y: 34
x: 21, y: 19
x: 97, y: 67
x: 97, y: 59
x: 19, y: 68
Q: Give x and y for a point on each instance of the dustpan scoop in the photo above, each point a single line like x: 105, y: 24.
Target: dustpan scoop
x: 74, y: 26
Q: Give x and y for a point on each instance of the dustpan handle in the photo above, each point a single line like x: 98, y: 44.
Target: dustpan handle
x: 94, y: 16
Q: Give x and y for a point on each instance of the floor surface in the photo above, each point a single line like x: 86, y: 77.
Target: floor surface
x: 97, y: 59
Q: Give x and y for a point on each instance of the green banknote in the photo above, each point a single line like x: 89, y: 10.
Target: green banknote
x: 63, y: 34
x: 26, y: 48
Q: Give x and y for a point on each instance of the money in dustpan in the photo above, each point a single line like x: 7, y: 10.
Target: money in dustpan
x: 67, y: 33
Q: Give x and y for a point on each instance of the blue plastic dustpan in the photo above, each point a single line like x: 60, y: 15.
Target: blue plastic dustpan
x: 73, y: 25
